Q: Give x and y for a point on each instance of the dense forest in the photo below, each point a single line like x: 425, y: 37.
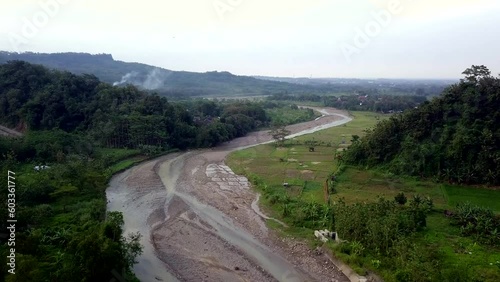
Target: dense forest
x: 454, y: 137
x: 80, y: 127
x: 36, y: 98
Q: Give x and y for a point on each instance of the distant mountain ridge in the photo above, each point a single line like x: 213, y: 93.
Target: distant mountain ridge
x: 78, y: 63
x: 182, y: 83
x: 161, y: 80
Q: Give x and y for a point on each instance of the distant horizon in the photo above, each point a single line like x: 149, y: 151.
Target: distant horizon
x: 362, y: 78
x: 237, y: 74
x: 365, y: 39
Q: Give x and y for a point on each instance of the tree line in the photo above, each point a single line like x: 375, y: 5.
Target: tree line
x: 358, y: 101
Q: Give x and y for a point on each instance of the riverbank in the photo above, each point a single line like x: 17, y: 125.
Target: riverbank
x: 198, y: 224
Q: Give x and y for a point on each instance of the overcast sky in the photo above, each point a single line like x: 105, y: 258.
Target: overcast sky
x: 318, y: 38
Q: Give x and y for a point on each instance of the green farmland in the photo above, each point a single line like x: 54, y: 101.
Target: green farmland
x: 268, y: 167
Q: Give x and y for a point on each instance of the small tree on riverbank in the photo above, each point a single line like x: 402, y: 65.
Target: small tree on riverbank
x: 279, y: 132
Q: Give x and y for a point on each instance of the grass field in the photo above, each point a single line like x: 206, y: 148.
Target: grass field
x: 336, y: 135
x: 480, y: 197
x: 306, y: 172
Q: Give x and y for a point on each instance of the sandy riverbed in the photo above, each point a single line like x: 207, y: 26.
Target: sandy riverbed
x: 198, y: 224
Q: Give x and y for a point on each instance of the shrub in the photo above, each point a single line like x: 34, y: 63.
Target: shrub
x: 403, y: 276
x: 357, y: 248
x: 401, y: 199
x: 477, y: 221
x: 150, y: 150
x: 346, y: 248
x: 377, y: 226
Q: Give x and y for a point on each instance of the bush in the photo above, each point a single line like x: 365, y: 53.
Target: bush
x: 150, y: 150
x: 377, y: 226
x: 345, y: 248
x: 479, y: 222
x: 401, y: 199
x: 403, y: 276
x: 357, y: 248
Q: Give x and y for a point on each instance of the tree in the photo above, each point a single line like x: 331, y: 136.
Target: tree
x: 476, y: 73
x: 279, y: 132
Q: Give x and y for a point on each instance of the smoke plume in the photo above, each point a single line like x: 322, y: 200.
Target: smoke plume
x: 154, y: 80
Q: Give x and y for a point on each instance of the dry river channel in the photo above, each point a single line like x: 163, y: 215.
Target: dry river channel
x: 199, y: 221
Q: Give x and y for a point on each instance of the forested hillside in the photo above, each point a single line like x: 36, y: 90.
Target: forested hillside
x: 77, y: 131
x: 454, y: 137
x: 101, y: 65
x: 36, y: 98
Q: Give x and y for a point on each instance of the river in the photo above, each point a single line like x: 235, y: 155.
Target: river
x: 197, y: 220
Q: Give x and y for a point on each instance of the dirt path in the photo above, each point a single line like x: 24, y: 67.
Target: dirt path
x: 198, y: 224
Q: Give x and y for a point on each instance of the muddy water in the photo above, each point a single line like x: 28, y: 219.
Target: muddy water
x: 137, y: 209
x: 146, y: 211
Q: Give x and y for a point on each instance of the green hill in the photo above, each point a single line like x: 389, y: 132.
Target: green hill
x: 454, y: 137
